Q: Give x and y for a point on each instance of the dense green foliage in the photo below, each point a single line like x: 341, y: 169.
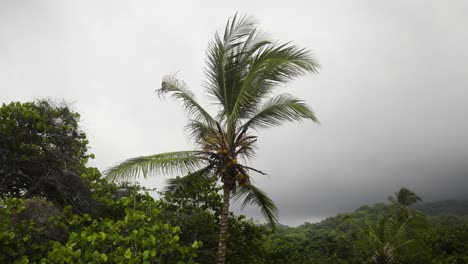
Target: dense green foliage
x: 43, y: 153
x: 338, y: 240
x: 96, y: 221
x: 120, y: 224
x: 130, y: 230
x: 198, y: 215
x: 53, y: 209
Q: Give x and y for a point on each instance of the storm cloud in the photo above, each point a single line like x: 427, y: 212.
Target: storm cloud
x: 391, y: 94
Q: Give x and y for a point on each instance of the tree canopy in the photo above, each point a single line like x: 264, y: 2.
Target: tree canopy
x: 43, y: 152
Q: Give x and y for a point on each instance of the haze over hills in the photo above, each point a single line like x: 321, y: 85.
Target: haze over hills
x: 438, y: 211
x: 455, y: 207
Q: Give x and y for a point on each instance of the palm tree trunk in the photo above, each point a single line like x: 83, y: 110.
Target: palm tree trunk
x: 224, y: 226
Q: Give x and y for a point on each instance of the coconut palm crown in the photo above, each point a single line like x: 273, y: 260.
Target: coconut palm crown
x: 243, y: 69
x: 402, y: 200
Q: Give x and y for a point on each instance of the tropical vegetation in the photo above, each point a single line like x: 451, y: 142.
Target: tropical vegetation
x: 56, y: 208
x: 244, y: 68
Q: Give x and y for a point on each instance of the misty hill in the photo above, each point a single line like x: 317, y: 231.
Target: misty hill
x: 335, y: 240
x: 446, y: 213
x: 447, y: 207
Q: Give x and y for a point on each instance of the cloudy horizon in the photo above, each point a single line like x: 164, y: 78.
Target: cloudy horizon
x: 391, y: 93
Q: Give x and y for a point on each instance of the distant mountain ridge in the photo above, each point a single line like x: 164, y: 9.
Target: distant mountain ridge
x: 445, y: 207
x: 445, y: 212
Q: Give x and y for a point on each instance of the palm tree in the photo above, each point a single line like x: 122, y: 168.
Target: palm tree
x: 243, y: 69
x: 403, y: 199
x: 390, y: 238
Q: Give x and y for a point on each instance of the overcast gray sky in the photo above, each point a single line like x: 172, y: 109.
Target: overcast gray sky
x: 391, y: 94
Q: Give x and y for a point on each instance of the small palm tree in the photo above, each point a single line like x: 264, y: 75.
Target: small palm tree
x: 243, y: 69
x: 403, y: 199
x: 390, y: 238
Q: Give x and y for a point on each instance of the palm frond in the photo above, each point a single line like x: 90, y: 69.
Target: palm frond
x: 401, y: 202
x: 255, y: 41
x: 406, y: 197
x: 178, y: 90
x: 243, y: 58
x: 246, y: 145
x: 278, y: 110
x: 223, y: 65
x: 389, y: 234
x: 271, y: 64
x: 202, y: 133
x: 171, y: 162
x: 405, y: 244
x: 252, y: 195
x: 415, y: 225
x: 237, y: 28
x: 192, y: 181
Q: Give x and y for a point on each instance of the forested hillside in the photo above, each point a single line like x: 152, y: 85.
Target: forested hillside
x: 336, y: 240
x: 457, y: 209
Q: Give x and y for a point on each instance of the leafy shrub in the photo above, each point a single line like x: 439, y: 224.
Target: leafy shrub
x: 139, y: 235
